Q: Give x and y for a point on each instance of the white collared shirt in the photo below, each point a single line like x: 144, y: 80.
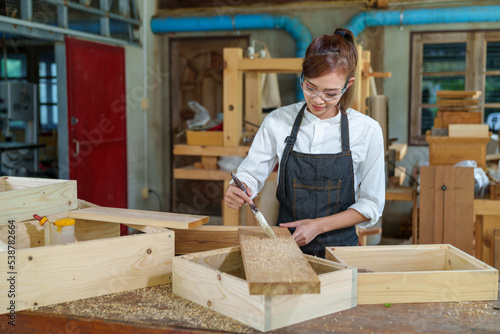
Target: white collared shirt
x: 322, y: 136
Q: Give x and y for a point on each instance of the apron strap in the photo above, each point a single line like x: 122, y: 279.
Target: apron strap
x: 344, y: 132
x: 290, y: 142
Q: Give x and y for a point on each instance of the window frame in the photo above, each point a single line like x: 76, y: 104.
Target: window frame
x: 475, y: 71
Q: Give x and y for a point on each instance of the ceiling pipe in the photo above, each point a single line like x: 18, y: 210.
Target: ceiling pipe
x: 472, y: 14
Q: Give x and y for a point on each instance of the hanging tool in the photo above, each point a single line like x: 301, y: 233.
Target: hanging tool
x: 258, y: 215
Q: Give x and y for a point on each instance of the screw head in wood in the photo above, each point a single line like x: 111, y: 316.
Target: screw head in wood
x: 209, y: 303
x: 231, y: 107
x: 35, y: 304
x: 30, y: 258
x: 149, y: 251
x: 219, y: 278
x: 69, y: 202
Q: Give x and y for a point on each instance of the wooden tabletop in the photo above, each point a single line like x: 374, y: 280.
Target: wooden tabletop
x: 156, y: 310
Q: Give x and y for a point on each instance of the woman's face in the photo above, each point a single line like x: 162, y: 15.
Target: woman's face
x: 329, y: 86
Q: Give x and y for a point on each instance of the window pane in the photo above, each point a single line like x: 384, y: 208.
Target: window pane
x: 428, y: 115
x: 54, y: 116
x: 42, y: 69
x: 492, y: 118
x: 493, y: 56
x: 430, y: 85
x: 44, y: 117
x: 492, y: 90
x: 444, y: 57
x: 53, y: 85
x: 42, y: 89
x: 53, y: 70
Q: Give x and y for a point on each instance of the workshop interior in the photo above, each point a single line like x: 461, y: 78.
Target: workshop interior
x: 128, y: 127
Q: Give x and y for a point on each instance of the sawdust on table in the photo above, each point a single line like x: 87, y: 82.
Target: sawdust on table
x: 155, y: 306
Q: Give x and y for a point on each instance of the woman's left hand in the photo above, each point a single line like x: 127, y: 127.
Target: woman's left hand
x: 305, y: 231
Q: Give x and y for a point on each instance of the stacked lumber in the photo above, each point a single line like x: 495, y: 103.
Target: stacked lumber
x: 456, y: 107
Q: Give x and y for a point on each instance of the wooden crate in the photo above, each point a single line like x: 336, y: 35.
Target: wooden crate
x: 205, y: 138
x: 22, y: 197
x: 450, y: 150
x: 99, y: 263
x: 216, y: 279
x: 417, y: 274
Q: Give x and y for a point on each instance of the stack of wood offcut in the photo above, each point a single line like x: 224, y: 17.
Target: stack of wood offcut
x: 456, y: 107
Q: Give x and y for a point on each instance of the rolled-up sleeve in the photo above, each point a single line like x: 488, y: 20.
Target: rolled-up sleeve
x: 371, y: 174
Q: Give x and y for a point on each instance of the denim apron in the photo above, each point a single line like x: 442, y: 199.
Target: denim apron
x: 317, y: 185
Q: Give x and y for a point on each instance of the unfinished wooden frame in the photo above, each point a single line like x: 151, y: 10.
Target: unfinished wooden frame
x: 216, y: 279
x: 417, y: 274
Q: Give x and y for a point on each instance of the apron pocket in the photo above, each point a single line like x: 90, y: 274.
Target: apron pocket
x: 314, y: 199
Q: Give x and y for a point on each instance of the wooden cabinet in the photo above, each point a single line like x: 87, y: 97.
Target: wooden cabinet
x: 446, y: 206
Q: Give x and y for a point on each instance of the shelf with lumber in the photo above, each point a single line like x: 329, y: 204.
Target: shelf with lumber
x: 191, y: 173
x: 210, y: 151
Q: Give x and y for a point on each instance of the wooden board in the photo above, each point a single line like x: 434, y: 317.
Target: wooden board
x: 400, y: 149
x: 446, y: 216
x: 216, y: 280
x: 275, y: 266
x: 205, y: 238
x: 417, y: 274
x: 140, y: 217
x: 214, y: 151
x: 455, y: 94
x: 56, y: 274
x: 457, y: 102
x: 459, y: 117
x: 232, y: 96
x: 271, y: 65
x: 22, y: 197
x: 469, y: 130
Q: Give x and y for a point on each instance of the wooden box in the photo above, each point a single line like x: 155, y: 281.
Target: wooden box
x: 205, y: 138
x: 21, y: 197
x: 99, y: 263
x: 417, y: 273
x: 450, y: 150
x: 216, y: 279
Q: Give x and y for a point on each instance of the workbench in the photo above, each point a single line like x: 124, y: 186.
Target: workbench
x: 156, y: 310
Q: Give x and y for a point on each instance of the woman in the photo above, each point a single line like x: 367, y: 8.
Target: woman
x: 331, y: 157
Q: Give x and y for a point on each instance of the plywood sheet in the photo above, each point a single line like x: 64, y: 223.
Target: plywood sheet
x: 275, y: 266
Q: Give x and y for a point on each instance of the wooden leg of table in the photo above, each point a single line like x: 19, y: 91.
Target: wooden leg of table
x: 230, y: 217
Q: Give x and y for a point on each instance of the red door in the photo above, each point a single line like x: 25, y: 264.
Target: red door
x: 97, y: 121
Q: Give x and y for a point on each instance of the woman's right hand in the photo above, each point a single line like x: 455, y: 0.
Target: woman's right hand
x: 235, y: 197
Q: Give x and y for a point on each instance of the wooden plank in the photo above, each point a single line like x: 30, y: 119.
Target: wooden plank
x: 275, y: 266
x: 496, y: 251
x: 140, y: 217
x: 456, y: 102
x: 455, y: 94
x: 24, y: 197
x: 357, y: 102
x: 29, y: 234
x: 232, y: 96
x: 458, y: 109
x: 209, y: 162
x: 205, y: 238
x: 457, y: 117
x: 271, y: 65
x: 400, y: 149
x: 399, y: 194
x: 485, y: 207
x: 191, y: 173
x: 428, y: 281
x: 253, y: 101
x: 469, y: 130
x: 210, y: 151
x: 56, y: 274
